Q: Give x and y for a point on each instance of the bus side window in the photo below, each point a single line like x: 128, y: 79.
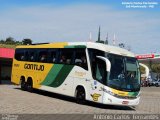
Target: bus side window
x: 42, y: 56
x: 92, y: 56
x: 26, y: 56
x: 80, y: 58
x: 19, y: 54
x: 32, y: 55
x: 52, y: 55
x: 66, y: 56
x: 100, y: 71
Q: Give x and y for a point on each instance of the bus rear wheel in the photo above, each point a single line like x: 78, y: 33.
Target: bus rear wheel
x: 80, y: 95
x: 23, y: 84
x: 29, y: 85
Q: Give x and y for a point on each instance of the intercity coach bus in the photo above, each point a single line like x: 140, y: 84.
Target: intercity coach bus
x: 84, y: 70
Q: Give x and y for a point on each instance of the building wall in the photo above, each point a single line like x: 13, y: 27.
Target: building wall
x: 0, y: 72
x: 6, y: 72
x: 6, y: 56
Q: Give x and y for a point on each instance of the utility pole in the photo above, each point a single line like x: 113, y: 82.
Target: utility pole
x: 114, y: 39
x: 106, y: 42
x: 99, y: 35
x: 90, y: 37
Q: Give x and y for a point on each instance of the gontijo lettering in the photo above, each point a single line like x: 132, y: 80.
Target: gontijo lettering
x: 34, y: 67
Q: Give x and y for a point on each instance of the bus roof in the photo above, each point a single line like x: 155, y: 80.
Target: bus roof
x: 98, y: 46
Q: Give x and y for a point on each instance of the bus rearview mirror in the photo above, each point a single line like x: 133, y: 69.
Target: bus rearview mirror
x: 108, y: 63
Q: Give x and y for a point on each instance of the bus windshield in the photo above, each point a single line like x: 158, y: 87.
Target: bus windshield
x: 124, y: 74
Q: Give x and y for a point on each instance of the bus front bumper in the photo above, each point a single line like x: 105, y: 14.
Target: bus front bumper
x: 112, y: 100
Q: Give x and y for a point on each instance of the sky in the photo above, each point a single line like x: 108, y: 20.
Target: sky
x: 73, y: 21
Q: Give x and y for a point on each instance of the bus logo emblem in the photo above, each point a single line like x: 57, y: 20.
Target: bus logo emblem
x: 95, y: 96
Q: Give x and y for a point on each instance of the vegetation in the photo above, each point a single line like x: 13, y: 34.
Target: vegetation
x: 154, y: 67
x: 26, y: 41
x: 122, y: 45
x: 142, y: 69
x: 12, y: 43
x: 7, y: 46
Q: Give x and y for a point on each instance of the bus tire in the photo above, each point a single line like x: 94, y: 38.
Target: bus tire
x: 157, y: 85
x: 80, y: 95
x: 23, y: 83
x: 29, y: 85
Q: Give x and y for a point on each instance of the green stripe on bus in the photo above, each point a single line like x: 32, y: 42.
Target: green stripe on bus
x: 75, y: 46
x: 133, y: 94
x: 52, y: 74
x: 62, y: 76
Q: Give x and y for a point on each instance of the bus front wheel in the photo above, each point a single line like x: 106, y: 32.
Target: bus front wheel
x: 80, y: 95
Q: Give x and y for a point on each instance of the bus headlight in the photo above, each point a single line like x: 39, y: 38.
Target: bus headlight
x: 122, y: 97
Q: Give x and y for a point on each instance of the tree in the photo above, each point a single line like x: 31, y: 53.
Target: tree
x: 26, y: 41
x: 18, y: 42
x: 10, y: 40
x: 2, y: 41
x: 121, y: 45
x: 156, y: 68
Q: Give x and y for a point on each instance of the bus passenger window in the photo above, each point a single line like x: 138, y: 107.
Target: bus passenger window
x: 78, y: 61
x: 68, y: 61
x: 100, y: 71
x: 52, y: 55
x: 32, y: 57
x: 63, y: 59
x: 80, y: 58
x: 26, y: 56
x: 22, y: 57
x: 42, y: 56
x: 92, y: 55
x: 53, y: 59
x: 83, y: 58
x: 19, y: 54
x: 66, y: 56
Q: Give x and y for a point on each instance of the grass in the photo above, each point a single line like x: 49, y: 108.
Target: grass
x: 7, y: 46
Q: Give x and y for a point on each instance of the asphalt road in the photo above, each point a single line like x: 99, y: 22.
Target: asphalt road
x: 15, y: 101
x: 16, y: 104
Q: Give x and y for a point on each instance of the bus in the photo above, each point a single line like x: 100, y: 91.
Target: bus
x: 84, y: 70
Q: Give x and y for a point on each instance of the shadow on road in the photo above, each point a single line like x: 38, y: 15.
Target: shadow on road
x: 87, y: 103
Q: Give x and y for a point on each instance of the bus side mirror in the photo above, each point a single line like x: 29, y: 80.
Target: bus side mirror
x: 108, y: 63
x: 146, y: 69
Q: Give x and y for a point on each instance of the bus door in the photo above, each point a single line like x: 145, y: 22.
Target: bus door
x: 97, y: 85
